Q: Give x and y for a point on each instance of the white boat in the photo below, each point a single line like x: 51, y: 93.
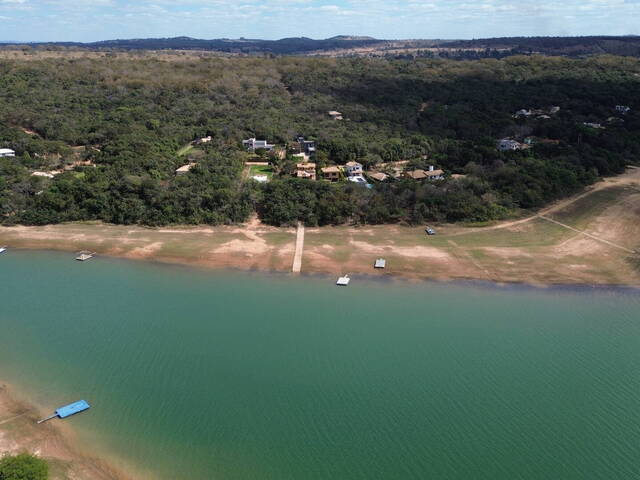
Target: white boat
x: 343, y: 281
x: 3, y: 249
x: 84, y: 256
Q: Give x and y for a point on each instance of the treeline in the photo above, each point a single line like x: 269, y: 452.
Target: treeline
x: 128, y: 119
x: 569, y: 46
x: 284, y: 46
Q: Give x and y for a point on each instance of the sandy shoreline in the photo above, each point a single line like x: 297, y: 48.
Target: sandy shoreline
x: 55, y: 442
x: 589, y: 239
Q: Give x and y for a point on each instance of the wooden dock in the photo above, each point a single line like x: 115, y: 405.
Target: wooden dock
x: 47, y: 418
x: 297, y: 256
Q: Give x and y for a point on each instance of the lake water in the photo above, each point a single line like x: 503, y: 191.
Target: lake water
x: 196, y: 374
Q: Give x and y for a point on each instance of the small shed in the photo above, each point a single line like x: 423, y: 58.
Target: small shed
x: 380, y: 263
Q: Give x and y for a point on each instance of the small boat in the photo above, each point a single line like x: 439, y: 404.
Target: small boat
x: 68, y: 410
x: 84, y: 256
x: 3, y: 249
x: 343, y: 281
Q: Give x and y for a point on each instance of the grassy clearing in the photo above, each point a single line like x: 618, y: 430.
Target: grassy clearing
x: 261, y: 170
x: 580, y: 213
x: 185, y: 150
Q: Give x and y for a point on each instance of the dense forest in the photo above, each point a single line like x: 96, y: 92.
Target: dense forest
x: 113, y: 129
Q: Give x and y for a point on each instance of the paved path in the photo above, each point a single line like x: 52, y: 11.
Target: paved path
x: 602, y: 240
x: 297, y: 257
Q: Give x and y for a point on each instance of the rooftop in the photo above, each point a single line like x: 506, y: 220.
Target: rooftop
x: 185, y: 168
x: 379, y: 176
x: 417, y: 174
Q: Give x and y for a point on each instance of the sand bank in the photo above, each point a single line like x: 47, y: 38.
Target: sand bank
x: 53, y: 441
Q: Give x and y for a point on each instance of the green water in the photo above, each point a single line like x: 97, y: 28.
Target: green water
x: 225, y: 375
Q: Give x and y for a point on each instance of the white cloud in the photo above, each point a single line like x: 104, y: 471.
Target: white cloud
x: 102, y: 19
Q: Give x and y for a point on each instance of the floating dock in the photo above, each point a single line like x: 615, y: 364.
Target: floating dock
x: 343, y: 281
x: 68, y: 410
x: 380, y: 263
x: 84, y: 256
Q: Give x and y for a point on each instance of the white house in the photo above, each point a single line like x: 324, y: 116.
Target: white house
x: 7, y: 152
x: 252, y: 144
x: 335, y: 115
x: 434, y: 174
x: 506, y: 144
x: 354, y: 169
x: 622, y: 109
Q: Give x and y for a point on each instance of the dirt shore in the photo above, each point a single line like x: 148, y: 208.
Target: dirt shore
x: 51, y: 441
x: 591, y: 238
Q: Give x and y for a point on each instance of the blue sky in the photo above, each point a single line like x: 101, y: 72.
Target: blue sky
x: 90, y: 20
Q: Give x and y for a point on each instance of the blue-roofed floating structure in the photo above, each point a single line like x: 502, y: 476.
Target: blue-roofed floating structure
x: 72, y: 409
x: 68, y: 410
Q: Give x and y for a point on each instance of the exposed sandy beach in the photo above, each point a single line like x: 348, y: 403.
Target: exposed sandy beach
x: 591, y: 238
x: 52, y: 441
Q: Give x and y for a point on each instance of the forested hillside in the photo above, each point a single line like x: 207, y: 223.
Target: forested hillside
x: 344, y: 45
x: 115, y: 127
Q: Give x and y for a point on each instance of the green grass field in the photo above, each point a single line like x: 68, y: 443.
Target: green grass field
x: 261, y: 170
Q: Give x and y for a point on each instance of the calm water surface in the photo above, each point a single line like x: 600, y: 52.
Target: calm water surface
x: 223, y: 375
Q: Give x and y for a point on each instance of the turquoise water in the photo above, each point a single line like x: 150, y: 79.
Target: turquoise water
x: 225, y: 375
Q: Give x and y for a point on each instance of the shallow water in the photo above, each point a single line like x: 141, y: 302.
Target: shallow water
x: 227, y: 375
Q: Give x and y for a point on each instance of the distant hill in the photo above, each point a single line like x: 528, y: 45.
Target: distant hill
x: 348, y: 45
x: 285, y: 46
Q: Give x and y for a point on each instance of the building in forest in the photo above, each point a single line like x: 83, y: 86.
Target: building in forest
x: 7, y: 152
x: 306, y: 170
x: 252, y: 145
x: 331, y: 173
x: 507, y: 144
x: 353, y: 169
